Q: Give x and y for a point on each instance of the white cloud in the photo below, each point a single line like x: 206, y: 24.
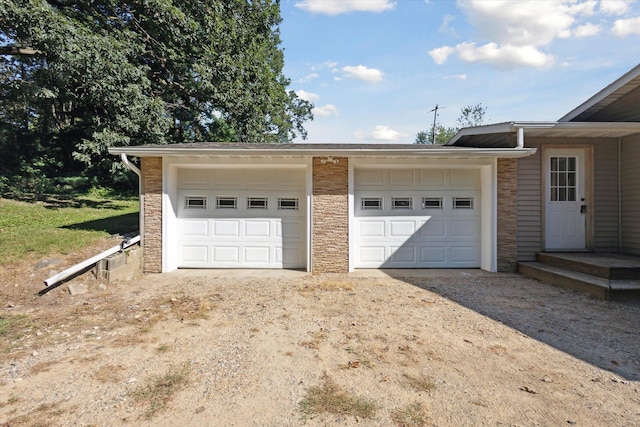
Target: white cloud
x: 515, y: 33
x: 385, y: 133
x: 456, y: 77
x: 336, y: 7
x: 308, y: 78
x: 625, y: 27
x: 446, y: 28
x: 504, y: 56
x: 326, y: 110
x: 615, y: 7
x: 441, y: 54
x: 525, y: 22
x: 307, y: 96
x: 326, y: 64
x: 360, y: 72
x: 587, y: 30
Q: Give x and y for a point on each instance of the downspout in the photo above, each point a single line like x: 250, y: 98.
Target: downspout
x: 520, y: 138
x: 135, y: 170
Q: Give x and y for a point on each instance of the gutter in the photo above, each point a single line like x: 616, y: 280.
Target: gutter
x: 445, y: 152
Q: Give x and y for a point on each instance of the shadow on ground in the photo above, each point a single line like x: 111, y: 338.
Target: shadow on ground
x: 602, y: 333
x: 120, y: 224
x: 61, y: 201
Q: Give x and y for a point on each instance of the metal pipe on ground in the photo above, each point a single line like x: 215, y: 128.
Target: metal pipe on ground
x: 89, y: 262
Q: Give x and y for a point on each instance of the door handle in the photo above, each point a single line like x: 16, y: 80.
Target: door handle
x: 583, y: 208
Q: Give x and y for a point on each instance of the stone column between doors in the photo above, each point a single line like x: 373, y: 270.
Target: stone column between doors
x: 152, y: 204
x: 330, y: 215
x: 507, y: 230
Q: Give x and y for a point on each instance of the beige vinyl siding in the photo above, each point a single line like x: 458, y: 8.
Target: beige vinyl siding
x: 529, y: 205
x: 631, y: 195
x: 605, y: 193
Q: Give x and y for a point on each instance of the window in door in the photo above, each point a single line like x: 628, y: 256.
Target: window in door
x: 562, y: 179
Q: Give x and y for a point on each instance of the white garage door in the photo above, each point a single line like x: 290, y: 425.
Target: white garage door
x: 417, y: 218
x: 253, y: 218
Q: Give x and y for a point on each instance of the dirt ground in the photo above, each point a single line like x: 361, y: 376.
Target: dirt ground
x: 194, y: 349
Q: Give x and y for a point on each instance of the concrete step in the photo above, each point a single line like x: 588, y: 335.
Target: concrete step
x: 606, y: 266
x: 592, y: 285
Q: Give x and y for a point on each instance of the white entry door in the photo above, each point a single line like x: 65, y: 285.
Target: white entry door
x: 565, y: 199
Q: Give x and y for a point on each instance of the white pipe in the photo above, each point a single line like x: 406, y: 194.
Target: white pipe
x: 137, y: 171
x: 89, y: 262
x: 128, y: 164
x: 520, y: 138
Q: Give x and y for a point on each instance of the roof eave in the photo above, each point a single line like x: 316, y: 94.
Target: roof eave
x: 611, y: 88
x: 458, y: 152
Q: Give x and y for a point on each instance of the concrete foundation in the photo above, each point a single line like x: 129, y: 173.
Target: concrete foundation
x: 121, y: 266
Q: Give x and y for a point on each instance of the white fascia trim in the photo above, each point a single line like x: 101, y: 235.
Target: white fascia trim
x: 235, y: 156
x: 309, y: 193
x: 351, y: 210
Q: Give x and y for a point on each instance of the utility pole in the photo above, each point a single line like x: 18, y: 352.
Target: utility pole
x: 433, y: 129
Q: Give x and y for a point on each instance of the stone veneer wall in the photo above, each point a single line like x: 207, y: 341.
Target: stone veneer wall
x: 507, y: 229
x: 330, y: 216
x: 152, y: 205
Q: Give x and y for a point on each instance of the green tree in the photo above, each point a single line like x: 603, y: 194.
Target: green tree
x: 444, y: 134
x: 422, y: 137
x: 79, y: 76
x: 471, y: 115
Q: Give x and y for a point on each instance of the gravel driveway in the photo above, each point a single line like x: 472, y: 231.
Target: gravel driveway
x: 210, y: 349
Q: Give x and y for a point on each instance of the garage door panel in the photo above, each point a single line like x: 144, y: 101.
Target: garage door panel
x: 371, y: 228
x: 292, y: 230
x: 401, y: 178
x: 257, y: 228
x: 433, y: 254
x: 195, y: 253
x: 229, y: 254
x: 290, y: 256
x: 464, y: 254
x: 403, y: 254
x: 257, y: 254
x: 432, y: 178
x: 433, y: 229
x: 399, y: 228
x: 226, y: 227
x: 374, y: 178
x: 195, y: 228
x: 464, y: 229
x: 372, y: 254
x: 463, y: 178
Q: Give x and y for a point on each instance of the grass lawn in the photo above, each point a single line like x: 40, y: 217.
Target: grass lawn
x: 61, y: 225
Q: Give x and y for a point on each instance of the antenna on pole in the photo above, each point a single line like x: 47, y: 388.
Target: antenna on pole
x: 433, y: 129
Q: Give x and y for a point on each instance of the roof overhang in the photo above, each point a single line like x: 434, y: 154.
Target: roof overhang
x: 607, y: 96
x: 318, y: 150
x: 548, y: 130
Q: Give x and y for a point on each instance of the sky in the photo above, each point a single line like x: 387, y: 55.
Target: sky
x: 375, y: 69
